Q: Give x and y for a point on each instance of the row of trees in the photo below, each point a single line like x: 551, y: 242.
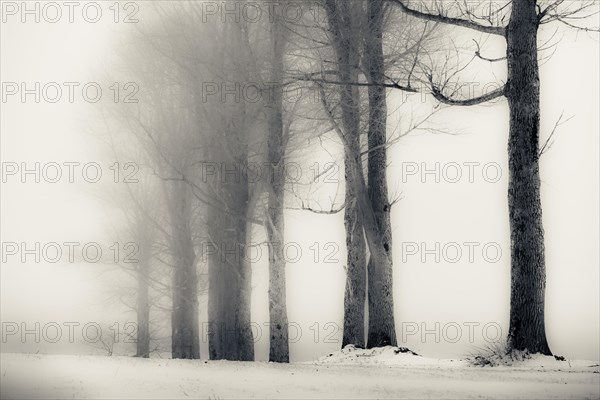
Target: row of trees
x: 198, y: 134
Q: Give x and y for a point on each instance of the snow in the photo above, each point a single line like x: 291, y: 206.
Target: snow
x: 350, y: 373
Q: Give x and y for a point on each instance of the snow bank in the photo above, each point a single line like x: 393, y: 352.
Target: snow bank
x: 389, y: 355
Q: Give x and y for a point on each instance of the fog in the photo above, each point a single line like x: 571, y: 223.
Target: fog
x: 432, y: 297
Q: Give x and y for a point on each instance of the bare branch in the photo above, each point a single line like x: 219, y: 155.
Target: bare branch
x: 550, y: 141
x: 439, y: 96
x: 392, y: 85
x: 478, y: 54
x: 493, y: 30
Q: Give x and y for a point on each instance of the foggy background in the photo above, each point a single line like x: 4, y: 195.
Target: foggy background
x: 425, y: 293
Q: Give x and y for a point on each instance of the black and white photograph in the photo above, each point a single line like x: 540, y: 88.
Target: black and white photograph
x: 300, y: 199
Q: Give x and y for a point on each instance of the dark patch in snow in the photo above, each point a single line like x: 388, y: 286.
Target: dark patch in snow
x: 405, y: 350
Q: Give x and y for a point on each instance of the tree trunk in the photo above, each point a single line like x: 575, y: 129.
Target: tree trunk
x: 143, y: 308
x: 356, y: 259
x: 356, y: 279
x: 230, y: 336
x: 382, y: 331
x: 278, y: 329
x: 242, y: 308
x: 230, y: 275
x: 216, y: 284
x: 528, y: 270
x: 184, y: 318
x: 345, y: 30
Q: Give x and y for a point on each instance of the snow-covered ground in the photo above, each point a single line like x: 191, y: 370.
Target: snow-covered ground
x: 349, y: 374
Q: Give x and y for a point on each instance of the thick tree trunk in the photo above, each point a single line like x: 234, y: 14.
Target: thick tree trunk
x: 375, y: 239
x: 278, y: 329
x: 243, y: 272
x: 216, y: 284
x: 356, y: 259
x: 223, y: 288
x: 184, y: 318
x: 230, y: 263
x: 356, y: 279
x: 240, y: 205
x: 528, y: 270
x: 244, y: 317
x: 345, y: 33
x: 230, y: 275
x: 143, y: 308
x: 382, y: 331
x: 230, y: 336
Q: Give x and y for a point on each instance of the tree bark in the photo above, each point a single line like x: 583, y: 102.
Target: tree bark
x: 356, y: 278
x: 344, y: 32
x: 382, y: 331
x: 184, y: 318
x: 230, y: 336
x: 216, y: 284
x: 528, y: 270
x: 230, y: 275
x: 278, y: 328
x: 143, y: 307
x: 244, y: 317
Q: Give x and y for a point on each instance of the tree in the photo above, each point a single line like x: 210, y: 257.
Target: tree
x: 145, y: 239
x: 166, y: 129
x: 344, y: 24
x: 234, y: 123
x: 144, y: 234
x: 206, y: 160
x: 357, y: 30
x: 184, y: 318
x: 276, y: 145
x: 381, y: 302
x: 522, y: 91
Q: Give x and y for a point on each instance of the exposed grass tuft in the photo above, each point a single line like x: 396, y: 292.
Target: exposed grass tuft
x: 495, y: 354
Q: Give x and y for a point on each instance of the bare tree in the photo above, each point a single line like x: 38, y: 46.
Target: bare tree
x: 231, y: 147
x: 522, y: 91
x: 381, y: 302
x: 344, y: 24
x: 276, y: 145
x: 166, y: 129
